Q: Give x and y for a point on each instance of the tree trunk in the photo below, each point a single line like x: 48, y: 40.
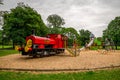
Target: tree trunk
x: 13, y: 45
x: 116, y: 47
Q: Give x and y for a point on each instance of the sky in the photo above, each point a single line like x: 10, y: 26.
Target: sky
x: 92, y: 15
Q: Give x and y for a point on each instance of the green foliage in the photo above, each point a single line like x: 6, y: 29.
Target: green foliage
x: 20, y: 22
x: 0, y: 36
x: 84, y: 36
x: 71, y: 33
x: 55, y: 20
x: 54, y: 23
x: 97, y: 41
x: 113, y: 31
x: 89, y: 75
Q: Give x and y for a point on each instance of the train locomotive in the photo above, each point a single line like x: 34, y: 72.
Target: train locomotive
x: 41, y: 46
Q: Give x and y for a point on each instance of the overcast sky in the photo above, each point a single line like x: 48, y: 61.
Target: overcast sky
x: 93, y: 15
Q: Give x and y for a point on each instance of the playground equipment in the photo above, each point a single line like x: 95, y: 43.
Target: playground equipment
x: 102, y: 47
x: 108, y: 45
x: 88, y: 45
x: 75, y: 51
x: 92, y: 37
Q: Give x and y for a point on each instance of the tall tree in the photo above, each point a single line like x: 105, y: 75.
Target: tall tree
x: 54, y: 23
x: 1, y: 13
x: 71, y: 33
x: 84, y: 36
x: 1, y: 2
x: 113, y: 31
x: 0, y: 36
x: 20, y: 22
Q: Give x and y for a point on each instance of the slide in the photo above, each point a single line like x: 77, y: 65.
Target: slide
x: 90, y: 43
x: 72, y: 53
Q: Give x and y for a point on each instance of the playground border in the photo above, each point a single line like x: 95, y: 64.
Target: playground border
x: 60, y: 70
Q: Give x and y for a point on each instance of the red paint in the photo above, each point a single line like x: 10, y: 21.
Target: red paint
x: 56, y: 40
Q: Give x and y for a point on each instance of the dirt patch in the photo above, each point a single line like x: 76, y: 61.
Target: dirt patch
x: 86, y: 59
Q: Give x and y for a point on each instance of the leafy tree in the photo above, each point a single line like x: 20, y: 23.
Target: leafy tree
x: 113, y: 31
x: 1, y: 2
x: 3, y: 38
x: 84, y: 36
x: 20, y: 22
x: 0, y: 36
x: 71, y: 33
x: 54, y: 23
x: 1, y: 13
x: 1, y: 17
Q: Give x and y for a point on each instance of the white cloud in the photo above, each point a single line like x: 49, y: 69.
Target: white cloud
x: 93, y: 15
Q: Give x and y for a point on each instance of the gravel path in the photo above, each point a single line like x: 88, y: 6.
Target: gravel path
x: 86, y: 59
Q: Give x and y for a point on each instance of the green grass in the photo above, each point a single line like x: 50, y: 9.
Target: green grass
x: 5, y: 46
x: 118, y: 47
x: 90, y: 75
x: 5, y: 52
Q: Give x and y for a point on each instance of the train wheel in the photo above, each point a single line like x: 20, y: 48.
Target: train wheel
x: 42, y: 54
x: 35, y: 56
x: 47, y: 53
x: 24, y: 53
x: 34, y: 53
x: 57, y: 52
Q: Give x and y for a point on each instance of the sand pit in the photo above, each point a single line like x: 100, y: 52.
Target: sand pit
x: 86, y: 59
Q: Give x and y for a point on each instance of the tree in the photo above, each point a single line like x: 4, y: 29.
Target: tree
x: 71, y: 33
x: 54, y: 23
x: 113, y: 31
x: 84, y: 36
x: 0, y: 36
x: 20, y: 22
x: 1, y: 2
x: 1, y: 13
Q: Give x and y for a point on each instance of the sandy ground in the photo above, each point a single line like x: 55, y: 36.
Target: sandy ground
x: 86, y: 59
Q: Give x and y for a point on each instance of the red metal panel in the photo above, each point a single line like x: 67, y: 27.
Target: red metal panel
x: 53, y: 39
x: 41, y: 40
x: 41, y: 46
x: 60, y: 41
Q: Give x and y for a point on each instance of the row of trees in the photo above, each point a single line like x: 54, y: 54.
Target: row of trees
x: 20, y: 21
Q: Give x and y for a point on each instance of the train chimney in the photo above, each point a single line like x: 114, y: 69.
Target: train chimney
x: 33, y: 32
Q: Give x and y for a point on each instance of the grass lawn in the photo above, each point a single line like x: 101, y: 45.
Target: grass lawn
x: 5, y: 46
x: 118, y: 47
x: 7, y: 52
x: 113, y: 74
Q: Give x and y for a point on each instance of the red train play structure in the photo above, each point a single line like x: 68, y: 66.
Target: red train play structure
x: 51, y: 44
